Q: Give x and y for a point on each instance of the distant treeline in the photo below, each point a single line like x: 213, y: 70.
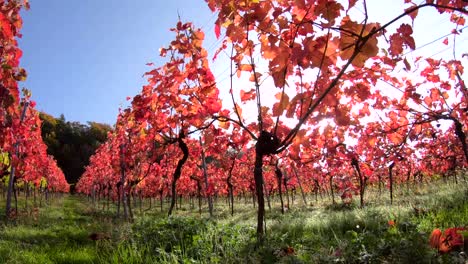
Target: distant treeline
x: 72, y: 143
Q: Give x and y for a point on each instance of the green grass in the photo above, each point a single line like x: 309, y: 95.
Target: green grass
x: 58, y: 235
x: 321, y: 233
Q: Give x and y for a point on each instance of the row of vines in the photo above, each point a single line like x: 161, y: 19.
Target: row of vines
x: 317, y: 100
x: 24, y: 163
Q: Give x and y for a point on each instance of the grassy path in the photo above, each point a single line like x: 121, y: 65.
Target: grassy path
x: 59, y: 234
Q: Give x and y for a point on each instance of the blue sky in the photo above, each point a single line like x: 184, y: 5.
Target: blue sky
x: 84, y: 57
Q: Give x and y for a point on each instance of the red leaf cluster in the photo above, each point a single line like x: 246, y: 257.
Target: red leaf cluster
x: 451, y: 239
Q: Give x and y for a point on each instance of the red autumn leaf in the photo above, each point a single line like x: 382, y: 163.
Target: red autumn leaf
x: 449, y: 240
x: 454, y: 237
x: 351, y: 3
x: 217, y: 30
x: 364, y: 111
x: 223, y: 47
x: 445, y: 41
x: 402, y: 38
x: 210, y: 190
x: 213, y: 105
x: 5, y: 26
x: 393, y: 116
x: 342, y: 116
x: 363, y: 91
x: 245, y: 96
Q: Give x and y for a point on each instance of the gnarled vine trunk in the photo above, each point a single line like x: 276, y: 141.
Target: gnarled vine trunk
x: 205, y: 176
x: 230, y: 186
x: 178, y: 171
x: 258, y: 177
x: 279, y: 177
x: 390, y: 176
x: 362, y: 181
x: 267, y: 144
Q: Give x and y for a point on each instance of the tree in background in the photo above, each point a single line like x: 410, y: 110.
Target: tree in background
x: 72, y: 143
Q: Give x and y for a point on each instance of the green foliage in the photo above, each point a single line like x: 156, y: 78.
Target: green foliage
x: 72, y: 143
x: 4, y: 159
x: 399, y: 244
x: 5, y: 168
x: 183, y: 239
x: 444, y: 209
x: 43, y: 183
x: 58, y: 235
x: 175, y: 234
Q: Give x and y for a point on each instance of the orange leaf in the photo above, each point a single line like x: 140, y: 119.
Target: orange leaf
x: 428, y: 101
x: 395, y: 138
x: 239, y: 110
x: 347, y: 42
x: 245, y: 67
x: 224, y: 124
x: 412, y: 14
x: 279, y: 107
x: 329, y: 10
x: 435, y: 237
x: 256, y: 76
x: 245, y: 96
x: 301, y: 138
x: 371, y: 141
x: 364, y: 111
x: 198, y: 37
x: 457, y: 19
x: 435, y: 95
